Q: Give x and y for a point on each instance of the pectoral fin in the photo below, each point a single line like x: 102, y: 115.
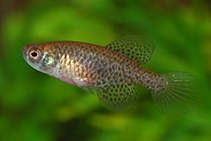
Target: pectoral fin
x: 89, y: 90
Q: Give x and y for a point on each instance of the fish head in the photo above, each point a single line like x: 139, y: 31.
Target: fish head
x: 41, y: 57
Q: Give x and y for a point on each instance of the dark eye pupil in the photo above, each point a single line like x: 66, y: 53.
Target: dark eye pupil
x: 34, y: 54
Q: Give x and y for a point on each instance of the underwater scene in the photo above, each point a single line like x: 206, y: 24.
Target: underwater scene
x: 105, y: 70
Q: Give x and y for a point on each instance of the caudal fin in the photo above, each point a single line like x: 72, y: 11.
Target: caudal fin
x: 179, y: 94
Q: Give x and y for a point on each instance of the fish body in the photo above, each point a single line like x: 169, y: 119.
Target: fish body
x: 110, y: 70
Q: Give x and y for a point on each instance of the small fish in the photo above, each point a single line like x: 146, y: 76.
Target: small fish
x: 112, y: 70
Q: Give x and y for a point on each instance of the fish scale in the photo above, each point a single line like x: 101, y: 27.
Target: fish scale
x: 111, y: 71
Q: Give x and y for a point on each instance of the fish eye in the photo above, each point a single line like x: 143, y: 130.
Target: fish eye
x: 34, y: 53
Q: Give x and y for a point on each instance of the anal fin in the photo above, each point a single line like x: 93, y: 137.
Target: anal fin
x: 117, y: 97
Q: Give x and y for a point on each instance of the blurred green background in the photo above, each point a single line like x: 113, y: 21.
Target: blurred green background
x: 37, y: 107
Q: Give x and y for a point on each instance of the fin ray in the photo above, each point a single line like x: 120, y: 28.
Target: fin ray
x: 178, y: 103
x: 117, y: 97
x: 171, y: 104
x: 88, y: 90
x: 179, y: 94
x: 135, y: 47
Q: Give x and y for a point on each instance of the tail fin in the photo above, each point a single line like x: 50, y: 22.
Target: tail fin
x: 179, y: 94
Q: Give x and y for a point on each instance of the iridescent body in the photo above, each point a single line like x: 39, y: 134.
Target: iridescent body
x: 111, y: 71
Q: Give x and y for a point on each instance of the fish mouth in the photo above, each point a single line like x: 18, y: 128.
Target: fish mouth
x: 24, y: 51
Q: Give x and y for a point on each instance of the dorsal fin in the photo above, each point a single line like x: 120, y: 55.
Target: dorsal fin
x: 135, y: 47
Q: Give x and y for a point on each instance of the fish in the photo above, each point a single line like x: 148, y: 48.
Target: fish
x: 112, y: 71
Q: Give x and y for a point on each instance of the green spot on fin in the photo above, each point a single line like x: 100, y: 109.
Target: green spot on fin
x: 135, y: 47
x: 118, y: 97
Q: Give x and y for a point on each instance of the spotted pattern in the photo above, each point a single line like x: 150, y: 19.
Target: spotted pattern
x: 135, y: 47
x: 109, y: 71
x: 96, y: 65
x: 118, y: 97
